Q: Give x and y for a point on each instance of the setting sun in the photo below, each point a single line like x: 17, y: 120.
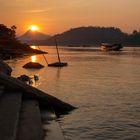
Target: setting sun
x: 34, y: 28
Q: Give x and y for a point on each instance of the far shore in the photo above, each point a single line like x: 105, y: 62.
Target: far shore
x: 6, y: 53
x: 79, y: 45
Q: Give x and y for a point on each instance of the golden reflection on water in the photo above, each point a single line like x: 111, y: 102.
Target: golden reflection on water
x: 33, y: 47
x: 33, y: 58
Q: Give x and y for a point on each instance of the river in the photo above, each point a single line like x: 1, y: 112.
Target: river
x: 105, y: 86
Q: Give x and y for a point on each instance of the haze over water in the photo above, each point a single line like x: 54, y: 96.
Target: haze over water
x: 103, y: 85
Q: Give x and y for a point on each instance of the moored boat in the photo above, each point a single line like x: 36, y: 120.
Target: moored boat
x: 111, y: 47
x: 59, y: 63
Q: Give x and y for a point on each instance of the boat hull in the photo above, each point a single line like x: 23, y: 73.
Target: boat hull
x: 58, y: 64
x: 114, y: 47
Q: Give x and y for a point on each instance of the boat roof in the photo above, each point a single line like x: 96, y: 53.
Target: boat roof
x: 106, y: 44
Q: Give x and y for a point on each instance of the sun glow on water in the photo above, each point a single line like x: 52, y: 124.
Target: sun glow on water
x: 33, y: 58
x: 33, y: 47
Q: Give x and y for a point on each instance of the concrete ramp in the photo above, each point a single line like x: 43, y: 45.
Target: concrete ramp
x: 30, y: 125
x: 10, y: 104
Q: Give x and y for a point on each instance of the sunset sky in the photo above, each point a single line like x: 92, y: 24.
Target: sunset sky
x: 56, y: 16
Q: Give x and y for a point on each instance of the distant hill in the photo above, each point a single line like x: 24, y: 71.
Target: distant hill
x: 88, y: 36
x: 31, y: 37
x: 84, y: 36
x: 133, y: 39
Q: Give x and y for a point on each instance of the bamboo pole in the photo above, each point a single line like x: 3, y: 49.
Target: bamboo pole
x: 43, y: 56
x: 57, y: 50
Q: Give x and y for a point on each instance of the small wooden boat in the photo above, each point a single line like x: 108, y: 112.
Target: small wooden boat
x: 59, y: 63
x: 111, y: 47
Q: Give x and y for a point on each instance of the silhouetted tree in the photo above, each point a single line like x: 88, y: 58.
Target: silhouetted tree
x: 13, y: 28
x: 7, y: 34
x: 8, y: 38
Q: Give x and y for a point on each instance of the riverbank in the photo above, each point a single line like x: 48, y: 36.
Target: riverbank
x: 10, y: 53
x: 20, y: 110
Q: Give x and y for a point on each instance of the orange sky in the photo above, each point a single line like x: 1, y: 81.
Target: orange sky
x: 56, y: 16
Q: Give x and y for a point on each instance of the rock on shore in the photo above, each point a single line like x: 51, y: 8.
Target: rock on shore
x: 5, y: 68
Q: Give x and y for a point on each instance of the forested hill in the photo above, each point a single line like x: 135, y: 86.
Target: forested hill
x: 94, y: 36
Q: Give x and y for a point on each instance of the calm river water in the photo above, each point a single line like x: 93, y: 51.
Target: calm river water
x: 105, y: 86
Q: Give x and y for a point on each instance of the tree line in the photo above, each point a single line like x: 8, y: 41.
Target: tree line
x: 95, y: 36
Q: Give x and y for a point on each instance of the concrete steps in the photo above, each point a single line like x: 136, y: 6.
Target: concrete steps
x: 1, y: 90
x: 10, y: 104
x: 20, y: 119
x: 30, y: 125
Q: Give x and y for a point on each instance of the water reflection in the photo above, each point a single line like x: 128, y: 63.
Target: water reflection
x: 33, y: 58
x: 58, y: 72
x: 33, y: 47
